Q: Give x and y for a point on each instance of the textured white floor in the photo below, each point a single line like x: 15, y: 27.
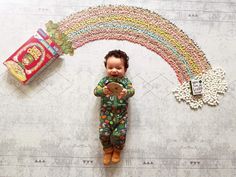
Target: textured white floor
x: 49, y: 127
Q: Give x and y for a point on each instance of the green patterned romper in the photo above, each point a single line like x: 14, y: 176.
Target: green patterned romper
x: 113, y: 113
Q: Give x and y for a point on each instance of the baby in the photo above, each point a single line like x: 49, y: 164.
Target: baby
x: 114, y: 90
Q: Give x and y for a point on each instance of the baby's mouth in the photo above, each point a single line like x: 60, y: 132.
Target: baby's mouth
x: 114, y: 75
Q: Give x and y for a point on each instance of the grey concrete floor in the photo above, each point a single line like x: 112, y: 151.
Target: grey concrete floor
x: 49, y: 128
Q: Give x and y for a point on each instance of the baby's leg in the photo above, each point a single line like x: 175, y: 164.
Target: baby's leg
x: 118, y: 135
x: 104, y: 136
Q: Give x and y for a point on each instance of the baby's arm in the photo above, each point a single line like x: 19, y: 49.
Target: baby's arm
x: 101, y: 89
x: 128, y: 91
x: 98, y: 91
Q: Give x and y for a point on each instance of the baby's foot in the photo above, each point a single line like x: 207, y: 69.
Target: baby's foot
x: 107, y: 156
x: 115, y: 156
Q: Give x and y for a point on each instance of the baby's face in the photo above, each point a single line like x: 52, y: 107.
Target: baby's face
x: 115, y: 67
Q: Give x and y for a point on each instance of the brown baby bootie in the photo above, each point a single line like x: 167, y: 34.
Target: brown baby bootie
x: 107, y: 156
x: 116, y: 156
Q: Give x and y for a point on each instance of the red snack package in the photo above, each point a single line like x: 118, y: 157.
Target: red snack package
x: 32, y: 57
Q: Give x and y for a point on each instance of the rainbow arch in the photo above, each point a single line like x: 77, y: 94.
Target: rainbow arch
x: 139, y: 26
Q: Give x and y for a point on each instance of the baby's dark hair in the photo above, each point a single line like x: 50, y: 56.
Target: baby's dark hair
x: 118, y: 54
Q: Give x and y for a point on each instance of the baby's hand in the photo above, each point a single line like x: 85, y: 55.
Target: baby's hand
x: 122, y: 94
x: 106, y: 91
